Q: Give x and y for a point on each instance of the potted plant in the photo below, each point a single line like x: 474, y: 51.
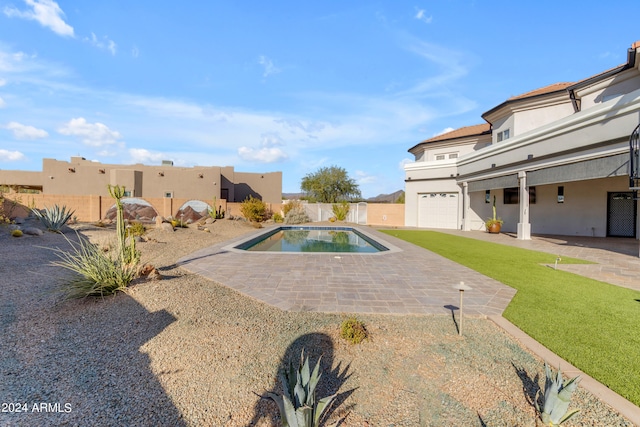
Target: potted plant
x: 493, y: 224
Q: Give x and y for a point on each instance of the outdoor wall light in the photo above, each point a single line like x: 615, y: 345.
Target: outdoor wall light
x: 200, y: 175
x: 72, y: 170
x: 160, y: 173
x: 493, y: 165
x: 100, y: 170
x: 529, y: 156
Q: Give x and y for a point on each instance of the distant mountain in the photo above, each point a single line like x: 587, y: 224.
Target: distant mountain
x: 381, y: 198
x: 386, y: 198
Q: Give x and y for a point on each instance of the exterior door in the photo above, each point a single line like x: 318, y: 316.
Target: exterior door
x: 621, y: 214
x: 438, y: 210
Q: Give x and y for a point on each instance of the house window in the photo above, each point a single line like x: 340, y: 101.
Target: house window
x: 168, y: 194
x: 505, y: 134
x: 127, y: 194
x: 453, y: 155
x: 512, y: 196
x: 487, y: 196
x: 440, y: 157
x: 561, y: 194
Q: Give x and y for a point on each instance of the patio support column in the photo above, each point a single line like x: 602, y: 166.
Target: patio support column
x: 466, y: 224
x: 524, y: 227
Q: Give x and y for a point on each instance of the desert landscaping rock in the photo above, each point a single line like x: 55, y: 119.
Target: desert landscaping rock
x: 32, y: 231
x: 186, y: 351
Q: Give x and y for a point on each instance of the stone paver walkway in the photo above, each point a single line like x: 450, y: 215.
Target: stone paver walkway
x: 408, y: 280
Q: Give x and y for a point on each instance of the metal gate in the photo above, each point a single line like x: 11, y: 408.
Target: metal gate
x: 621, y: 214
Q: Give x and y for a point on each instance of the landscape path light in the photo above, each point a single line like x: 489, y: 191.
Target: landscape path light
x: 461, y: 287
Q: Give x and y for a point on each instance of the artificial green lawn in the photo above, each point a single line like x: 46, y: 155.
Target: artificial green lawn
x: 593, y: 325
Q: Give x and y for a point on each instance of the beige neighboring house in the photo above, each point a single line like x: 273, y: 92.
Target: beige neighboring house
x: 81, y: 177
x: 556, y: 159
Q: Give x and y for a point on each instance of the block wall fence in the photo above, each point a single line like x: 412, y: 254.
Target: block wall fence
x: 94, y: 208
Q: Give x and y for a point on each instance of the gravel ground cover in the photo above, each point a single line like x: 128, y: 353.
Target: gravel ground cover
x: 186, y: 351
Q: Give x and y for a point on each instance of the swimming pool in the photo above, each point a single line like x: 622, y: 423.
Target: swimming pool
x: 312, y: 240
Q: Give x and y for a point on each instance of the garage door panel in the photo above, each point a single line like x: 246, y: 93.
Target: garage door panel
x: 438, y: 210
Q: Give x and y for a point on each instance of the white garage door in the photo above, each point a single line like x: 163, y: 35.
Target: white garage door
x: 438, y: 210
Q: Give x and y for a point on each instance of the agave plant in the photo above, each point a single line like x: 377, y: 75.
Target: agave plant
x: 556, y: 398
x: 298, y: 406
x: 55, y: 218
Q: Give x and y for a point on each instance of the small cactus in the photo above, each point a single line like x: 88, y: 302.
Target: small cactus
x: 556, y: 398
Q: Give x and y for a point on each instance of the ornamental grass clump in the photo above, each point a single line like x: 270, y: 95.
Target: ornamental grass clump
x: 97, y: 272
x: 556, y: 398
x: 298, y: 405
x: 55, y: 218
x: 340, y: 210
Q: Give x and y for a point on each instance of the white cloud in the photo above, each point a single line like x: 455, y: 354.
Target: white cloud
x: 2, y: 103
x: 443, y: 131
x: 262, y: 155
x: 135, y: 52
x: 404, y: 162
x: 2, y: 82
x: 102, y: 43
x: 364, y: 178
x: 271, y: 139
x: 142, y: 155
x: 21, y: 131
x: 10, y: 156
x: 422, y: 16
x: 268, y: 66
x: 46, y: 12
x: 92, y: 134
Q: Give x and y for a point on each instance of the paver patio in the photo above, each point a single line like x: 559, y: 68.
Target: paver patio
x: 408, y: 280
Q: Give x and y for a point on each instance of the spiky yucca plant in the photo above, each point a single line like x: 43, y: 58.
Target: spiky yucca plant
x: 97, y: 273
x: 55, y: 218
x: 556, y: 398
x: 298, y: 406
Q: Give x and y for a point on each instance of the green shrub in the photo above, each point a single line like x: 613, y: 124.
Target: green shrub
x: 178, y: 223
x: 340, y: 210
x: 290, y: 206
x: 254, y: 210
x: 297, y: 216
x: 97, y: 273
x: 55, y: 218
x: 136, y: 229
x: 277, y: 217
x: 353, y: 330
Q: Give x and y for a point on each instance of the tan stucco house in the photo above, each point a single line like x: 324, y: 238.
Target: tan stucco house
x: 556, y: 159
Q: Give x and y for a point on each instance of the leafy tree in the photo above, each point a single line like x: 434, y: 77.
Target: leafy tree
x: 330, y: 185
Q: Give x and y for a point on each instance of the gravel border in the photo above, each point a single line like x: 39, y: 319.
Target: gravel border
x: 186, y: 351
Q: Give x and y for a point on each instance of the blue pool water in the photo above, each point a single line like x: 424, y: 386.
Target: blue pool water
x: 313, y: 239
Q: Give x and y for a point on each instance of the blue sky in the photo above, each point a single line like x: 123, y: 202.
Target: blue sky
x: 285, y: 86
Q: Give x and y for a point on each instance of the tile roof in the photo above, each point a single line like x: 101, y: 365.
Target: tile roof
x: 461, y: 132
x: 543, y: 90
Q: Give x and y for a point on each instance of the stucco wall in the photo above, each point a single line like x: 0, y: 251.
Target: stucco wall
x: 583, y: 213
x: 385, y: 214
